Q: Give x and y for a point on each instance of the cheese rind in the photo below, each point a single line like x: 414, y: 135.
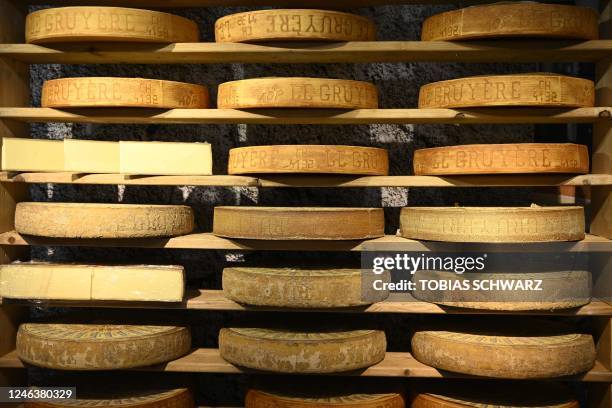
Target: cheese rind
x: 176, y: 398
x: 265, y: 399
x: 170, y: 158
x: 20, y: 154
x: 91, y: 156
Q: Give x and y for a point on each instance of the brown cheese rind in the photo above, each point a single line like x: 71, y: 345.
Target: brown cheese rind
x: 265, y: 399
x: 176, y: 398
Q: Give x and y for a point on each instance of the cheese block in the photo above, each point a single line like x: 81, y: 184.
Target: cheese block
x: 174, y: 398
x: 100, y: 92
x: 493, y: 224
x: 286, y: 351
x: 91, y: 156
x: 273, y: 92
x: 309, y: 159
x: 296, y: 223
x: 100, y: 346
x: 169, y: 158
x: 502, y: 159
x: 76, y: 220
x: 294, y: 25
x: 266, y: 399
x: 519, y: 19
x: 108, y: 24
x: 46, y: 281
x: 538, y: 89
x: 506, y: 351
x: 506, y: 291
x: 302, y: 288
x: 20, y: 154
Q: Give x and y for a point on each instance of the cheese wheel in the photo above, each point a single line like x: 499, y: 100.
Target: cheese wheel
x: 302, y: 288
x: 76, y: 220
x: 109, y: 24
x: 308, y: 159
x: 286, y: 351
x: 267, y: 399
x: 176, y: 398
x: 502, y: 159
x: 273, y: 92
x: 287, y: 223
x: 519, y: 19
x: 549, y: 290
x: 112, y: 92
x: 493, y: 224
x: 538, y: 89
x: 294, y: 25
x: 527, y: 351
x: 100, y: 347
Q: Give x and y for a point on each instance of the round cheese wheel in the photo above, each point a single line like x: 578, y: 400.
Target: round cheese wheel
x: 493, y: 224
x: 308, y: 159
x: 502, y: 159
x: 273, y: 92
x: 100, y: 347
x: 287, y: 223
x: 302, y: 288
x: 176, y: 398
x: 538, y: 89
x: 112, y: 92
x: 286, y: 351
x: 266, y: 399
x: 518, y: 19
x: 108, y: 24
x: 76, y: 220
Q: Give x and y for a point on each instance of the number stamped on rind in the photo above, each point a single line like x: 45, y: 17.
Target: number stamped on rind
x: 24, y: 394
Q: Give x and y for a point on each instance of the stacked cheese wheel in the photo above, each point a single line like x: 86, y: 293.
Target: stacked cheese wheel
x: 262, y: 398
x: 175, y: 398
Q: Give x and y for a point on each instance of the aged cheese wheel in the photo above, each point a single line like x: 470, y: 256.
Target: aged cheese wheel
x: 266, y: 399
x: 286, y: 351
x: 490, y: 290
x: 175, y: 398
x: 538, y: 89
x: 278, y: 223
x: 502, y: 159
x: 273, y: 92
x: 301, y: 288
x: 294, y: 25
x: 100, y: 347
x: 76, y: 220
x: 109, y: 24
x: 493, y: 224
x: 520, y: 19
x: 309, y: 159
x: 100, y: 92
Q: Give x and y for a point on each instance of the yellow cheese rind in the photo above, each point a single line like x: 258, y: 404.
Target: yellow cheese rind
x: 299, y: 223
x: 109, y: 24
x: 539, y: 89
x: 502, y: 159
x: 265, y: 399
x: 297, y: 92
x: 91, y: 156
x: 493, y: 224
x: 308, y: 159
x: 20, y: 154
x: 294, y: 25
x: 520, y: 19
x: 100, y: 347
x: 113, y: 92
x: 176, y: 398
x: 76, y: 220
x: 302, y: 352
x: 170, y: 158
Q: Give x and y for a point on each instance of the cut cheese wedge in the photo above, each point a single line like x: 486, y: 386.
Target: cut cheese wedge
x: 20, y: 154
x: 266, y: 399
x: 91, y: 156
x: 170, y: 158
x: 175, y: 398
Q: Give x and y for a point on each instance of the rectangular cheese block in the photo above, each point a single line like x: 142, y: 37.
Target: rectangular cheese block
x: 91, y: 156
x: 171, y: 158
x: 50, y: 282
x: 20, y: 154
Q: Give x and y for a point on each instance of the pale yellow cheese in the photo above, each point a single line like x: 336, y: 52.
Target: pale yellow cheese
x: 171, y: 158
x: 91, y: 156
x: 138, y: 283
x: 20, y: 154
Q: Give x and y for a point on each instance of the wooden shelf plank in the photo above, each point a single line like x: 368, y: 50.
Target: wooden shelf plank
x: 310, y: 116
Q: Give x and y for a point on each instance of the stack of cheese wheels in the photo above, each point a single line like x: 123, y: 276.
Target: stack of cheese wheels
x: 308, y: 159
x: 294, y: 25
x: 274, y: 92
x: 108, y: 24
x: 493, y: 224
x: 518, y: 19
x: 76, y: 220
x: 113, y: 92
x: 502, y: 159
x: 289, y: 351
x: 300, y: 223
x: 519, y: 350
x: 529, y: 90
x: 265, y: 399
x: 100, y: 346
x: 302, y: 288
x: 174, y: 398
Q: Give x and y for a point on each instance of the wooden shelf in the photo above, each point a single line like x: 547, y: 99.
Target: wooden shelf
x: 294, y: 53
x: 311, y: 116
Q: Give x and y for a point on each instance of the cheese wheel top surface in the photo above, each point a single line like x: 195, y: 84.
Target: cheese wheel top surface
x: 272, y: 334
x: 176, y: 398
x: 94, y: 332
x: 261, y: 399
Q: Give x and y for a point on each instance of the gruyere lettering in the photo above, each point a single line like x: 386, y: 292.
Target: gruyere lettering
x: 20, y: 154
x: 175, y: 398
x: 91, y: 156
x: 266, y: 399
x: 171, y: 158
